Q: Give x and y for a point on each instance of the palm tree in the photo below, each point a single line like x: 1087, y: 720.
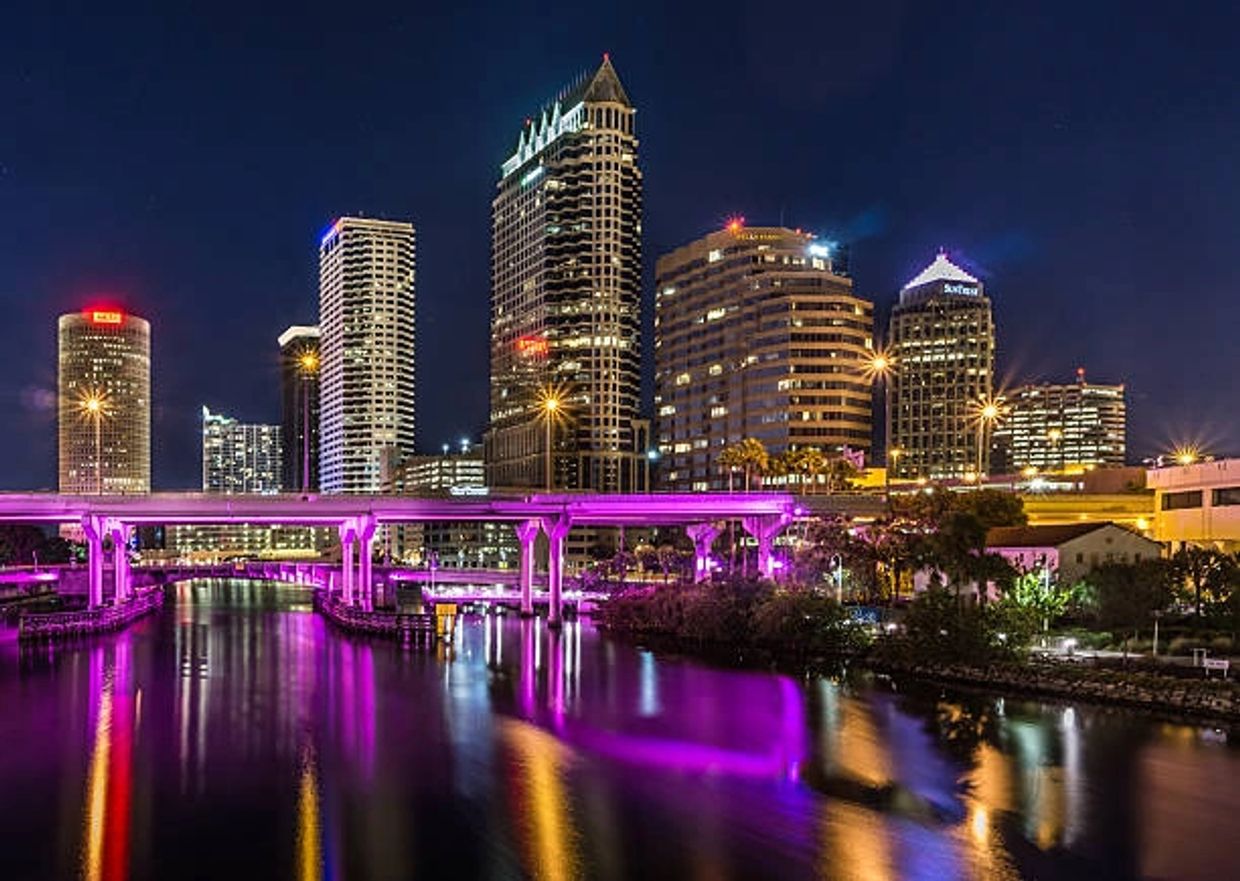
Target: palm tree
x: 747, y: 454
x: 811, y: 462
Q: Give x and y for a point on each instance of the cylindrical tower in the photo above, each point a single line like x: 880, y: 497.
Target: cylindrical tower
x: 104, y: 403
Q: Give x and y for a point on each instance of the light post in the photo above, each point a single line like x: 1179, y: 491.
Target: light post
x: 1055, y: 436
x: 1157, y: 614
x: 652, y: 456
x: 309, y: 364
x: 550, y: 408
x: 94, y: 408
x: 879, y: 368
x: 837, y: 563
x: 987, y: 414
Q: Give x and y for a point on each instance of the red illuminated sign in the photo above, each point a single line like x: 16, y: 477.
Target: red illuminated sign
x: 105, y: 316
x: 532, y: 346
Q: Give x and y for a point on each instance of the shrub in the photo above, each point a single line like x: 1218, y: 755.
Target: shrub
x: 806, y: 622
x: 940, y: 627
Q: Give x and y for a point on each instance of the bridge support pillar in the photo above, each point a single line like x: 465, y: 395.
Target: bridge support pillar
x: 365, y: 561
x: 527, y: 534
x: 94, y: 528
x: 703, y: 536
x: 122, y: 578
x: 764, y: 530
x: 557, y: 530
x: 348, y: 538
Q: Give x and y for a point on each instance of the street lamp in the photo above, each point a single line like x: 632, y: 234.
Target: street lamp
x: 987, y: 413
x: 308, y: 364
x: 893, y: 459
x: 94, y: 406
x: 879, y: 368
x: 1055, y: 436
x: 1186, y: 455
x: 551, y: 406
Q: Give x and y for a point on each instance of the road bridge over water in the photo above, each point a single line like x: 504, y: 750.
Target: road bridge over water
x: 356, y: 518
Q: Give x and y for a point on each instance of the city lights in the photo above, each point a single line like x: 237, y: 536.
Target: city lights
x: 1186, y: 455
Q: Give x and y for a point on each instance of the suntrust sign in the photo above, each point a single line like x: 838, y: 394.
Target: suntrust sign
x: 967, y: 290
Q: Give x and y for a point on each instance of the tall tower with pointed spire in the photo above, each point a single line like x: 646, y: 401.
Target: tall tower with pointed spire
x: 566, y: 296
x: 942, y: 342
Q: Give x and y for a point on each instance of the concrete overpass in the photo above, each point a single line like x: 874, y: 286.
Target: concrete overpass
x: 356, y: 518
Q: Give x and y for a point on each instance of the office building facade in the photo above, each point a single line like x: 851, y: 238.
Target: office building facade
x: 366, y: 323
x: 566, y: 297
x: 239, y: 457
x: 104, y: 403
x: 456, y: 473
x: 299, y: 408
x: 942, y: 344
x: 1064, y: 426
x: 757, y: 334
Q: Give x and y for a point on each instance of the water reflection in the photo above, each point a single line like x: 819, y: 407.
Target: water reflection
x: 237, y: 736
x: 115, y: 711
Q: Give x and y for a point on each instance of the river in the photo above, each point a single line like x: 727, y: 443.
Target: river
x: 236, y: 735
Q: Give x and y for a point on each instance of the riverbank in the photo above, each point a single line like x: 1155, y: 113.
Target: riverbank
x: 1208, y: 700
x: 1213, y: 700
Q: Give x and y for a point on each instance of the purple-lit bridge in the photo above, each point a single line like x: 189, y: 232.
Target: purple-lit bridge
x: 356, y: 518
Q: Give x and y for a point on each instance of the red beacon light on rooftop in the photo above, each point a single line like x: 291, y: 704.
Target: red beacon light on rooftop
x: 735, y: 224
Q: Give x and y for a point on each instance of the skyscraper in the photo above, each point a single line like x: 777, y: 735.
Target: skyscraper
x: 104, y: 402
x: 942, y: 342
x: 756, y: 335
x: 1064, y: 426
x: 299, y: 399
x: 366, y: 320
x: 238, y: 457
x: 241, y: 457
x: 566, y: 296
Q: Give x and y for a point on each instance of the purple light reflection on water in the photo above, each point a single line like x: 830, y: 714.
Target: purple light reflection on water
x: 325, y: 756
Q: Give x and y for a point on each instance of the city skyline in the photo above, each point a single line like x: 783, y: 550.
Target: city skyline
x: 58, y: 271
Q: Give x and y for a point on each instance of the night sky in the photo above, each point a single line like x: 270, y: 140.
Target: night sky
x: 1082, y: 158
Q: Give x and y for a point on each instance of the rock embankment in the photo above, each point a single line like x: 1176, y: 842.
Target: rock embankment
x: 1213, y: 699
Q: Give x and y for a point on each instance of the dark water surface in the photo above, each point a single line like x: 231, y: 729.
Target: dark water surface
x: 237, y: 736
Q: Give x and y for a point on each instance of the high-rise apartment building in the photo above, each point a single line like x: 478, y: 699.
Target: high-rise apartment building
x: 104, y: 402
x: 566, y: 297
x: 299, y: 408
x: 239, y: 457
x: 942, y: 344
x: 446, y: 544
x: 366, y: 321
x: 1069, y: 426
x: 758, y: 335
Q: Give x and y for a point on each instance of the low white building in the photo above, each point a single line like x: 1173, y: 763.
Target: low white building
x: 1069, y: 550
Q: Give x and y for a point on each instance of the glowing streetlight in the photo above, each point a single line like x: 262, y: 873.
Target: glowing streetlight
x: 94, y: 406
x: 987, y: 413
x: 308, y: 364
x: 1186, y: 455
x: 879, y: 369
x: 551, y: 408
x: 1055, y: 436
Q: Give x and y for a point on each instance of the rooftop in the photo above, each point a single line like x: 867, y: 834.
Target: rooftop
x: 941, y: 269
x: 1049, y: 536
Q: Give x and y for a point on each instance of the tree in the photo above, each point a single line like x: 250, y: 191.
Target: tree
x: 25, y: 545
x: 749, y: 456
x: 1210, y: 575
x: 1043, y: 594
x: 991, y: 507
x: 1127, y: 595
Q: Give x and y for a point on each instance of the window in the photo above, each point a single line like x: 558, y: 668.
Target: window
x: 1228, y: 495
x: 1178, y: 501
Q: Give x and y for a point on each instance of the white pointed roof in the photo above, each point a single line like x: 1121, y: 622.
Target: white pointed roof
x: 941, y: 269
